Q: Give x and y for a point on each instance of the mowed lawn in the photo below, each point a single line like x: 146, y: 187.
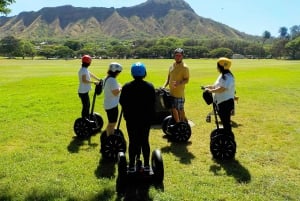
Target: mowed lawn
x: 41, y: 160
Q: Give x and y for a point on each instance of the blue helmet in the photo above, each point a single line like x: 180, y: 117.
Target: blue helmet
x: 138, y: 70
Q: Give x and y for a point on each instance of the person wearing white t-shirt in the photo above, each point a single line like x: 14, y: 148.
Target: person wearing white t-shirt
x: 85, y: 82
x: 223, y: 92
x: 112, y: 90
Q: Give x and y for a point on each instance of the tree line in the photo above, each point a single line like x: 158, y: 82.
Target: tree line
x: 286, y: 45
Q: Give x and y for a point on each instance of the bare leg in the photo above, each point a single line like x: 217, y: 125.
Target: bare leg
x: 182, y: 116
x: 110, y: 129
x: 175, y: 115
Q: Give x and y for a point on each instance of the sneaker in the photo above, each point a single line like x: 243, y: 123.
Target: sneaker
x: 131, y: 169
x: 147, y: 168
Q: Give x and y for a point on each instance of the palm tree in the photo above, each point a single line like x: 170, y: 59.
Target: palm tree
x: 266, y: 35
x: 283, y: 33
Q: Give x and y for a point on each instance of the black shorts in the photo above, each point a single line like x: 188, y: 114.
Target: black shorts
x: 112, y: 114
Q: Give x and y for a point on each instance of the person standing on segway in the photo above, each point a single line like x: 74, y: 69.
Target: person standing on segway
x: 223, y: 92
x: 138, y: 104
x: 85, y: 81
x: 178, y: 77
x: 112, y: 90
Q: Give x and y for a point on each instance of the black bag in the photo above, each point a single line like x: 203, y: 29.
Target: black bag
x: 99, y: 87
x: 163, y: 99
x: 207, y: 97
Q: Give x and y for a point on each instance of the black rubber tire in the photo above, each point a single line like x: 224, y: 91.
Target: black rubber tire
x: 122, y: 164
x: 222, y: 146
x: 165, y: 123
x: 112, y: 145
x: 99, y: 123
x: 82, y: 128
x: 157, y: 166
x: 181, y: 132
x: 122, y: 174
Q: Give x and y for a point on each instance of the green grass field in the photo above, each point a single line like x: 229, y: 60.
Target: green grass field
x: 40, y: 159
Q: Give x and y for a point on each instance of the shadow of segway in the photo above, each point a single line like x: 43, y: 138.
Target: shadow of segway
x: 77, y: 142
x: 106, y: 169
x: 232, y: 168
x: 180, y: 151
x: 140, y: 191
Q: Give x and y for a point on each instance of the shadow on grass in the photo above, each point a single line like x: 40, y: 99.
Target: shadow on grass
x: 56, y: 194
x: 5, y: 197
x: 235, y: 124
x: 106, y: 169
x: 139, y: 191
x: 232, y: 168
x: 76, y: 143
x: 180, y: 151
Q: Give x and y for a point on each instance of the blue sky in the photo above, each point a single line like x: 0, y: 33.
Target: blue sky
x: 249, y: 16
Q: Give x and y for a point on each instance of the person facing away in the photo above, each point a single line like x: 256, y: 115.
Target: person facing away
x: 85, y: 81
x: 112, y: 90
x: 178, y: 77
x: 223, y: 91
x: 138, y: 104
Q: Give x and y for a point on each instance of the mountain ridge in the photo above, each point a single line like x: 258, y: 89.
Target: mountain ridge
x: 151, y: 19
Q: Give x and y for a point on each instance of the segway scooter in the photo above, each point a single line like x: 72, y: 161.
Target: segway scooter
x: 222, y: 145
x: 177, y: 132
x: 86, y: 127
x: 155, y: 175
x: 162, y: 105
x: 113, y: 144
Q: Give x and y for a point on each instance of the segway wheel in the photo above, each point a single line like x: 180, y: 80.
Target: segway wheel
x: 157, y: 166
x: 166, y: 123
x: 222, y: 147
x: 103, y: 138
x: 119, y: 133
x: 82, y: 128
x: 98, y: 123
x: 122, y: 164
x: 112, y: 146
x: 220, y: 131
x: 181, y: 132
x: 122, y: 174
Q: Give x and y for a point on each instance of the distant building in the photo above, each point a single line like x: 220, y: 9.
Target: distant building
x: 238, y: 56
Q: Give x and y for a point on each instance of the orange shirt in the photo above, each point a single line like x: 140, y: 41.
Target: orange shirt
x: 178, y: 72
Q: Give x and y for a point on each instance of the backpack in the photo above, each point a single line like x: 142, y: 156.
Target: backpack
x: 99, y: 87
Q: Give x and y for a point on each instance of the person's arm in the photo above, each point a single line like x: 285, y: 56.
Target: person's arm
x: 217, y: 90
x: 183, y: 81
x: 94, y: 76
x: 114, y: 86
x: 116, y: 92
x: 84, y: 80
x: 167, y: 81
x: 209, y: 87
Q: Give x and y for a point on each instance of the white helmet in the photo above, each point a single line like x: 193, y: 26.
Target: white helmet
x: 114, y: 67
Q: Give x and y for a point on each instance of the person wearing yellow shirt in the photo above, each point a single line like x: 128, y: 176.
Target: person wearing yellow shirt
x: 178, y: 77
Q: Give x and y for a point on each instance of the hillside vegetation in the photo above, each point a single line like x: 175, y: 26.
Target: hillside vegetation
x: 152, y: 19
